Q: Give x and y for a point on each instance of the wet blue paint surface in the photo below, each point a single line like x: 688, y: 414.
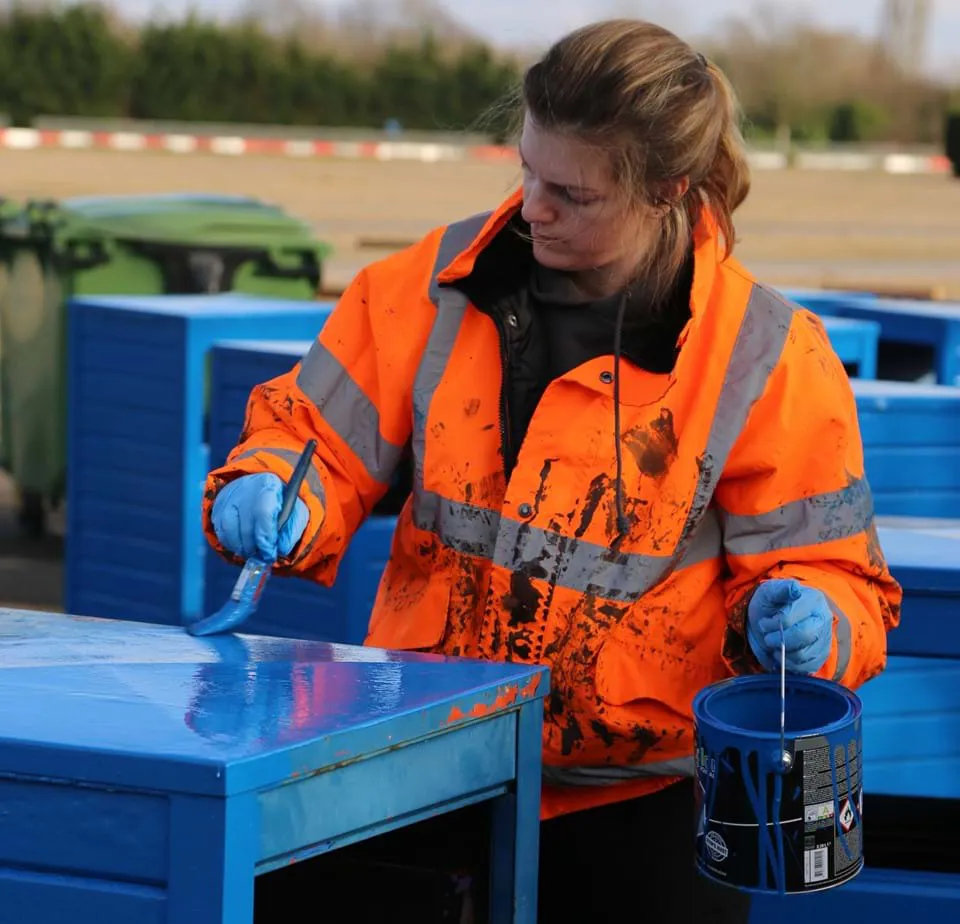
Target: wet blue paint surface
x: 150, y: 775
x: 199, y: 705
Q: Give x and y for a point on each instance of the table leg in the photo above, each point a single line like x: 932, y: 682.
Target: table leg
x: 948, y: 358
x: 213, y: 845
x: 515, y: 829
x: 870, y: 344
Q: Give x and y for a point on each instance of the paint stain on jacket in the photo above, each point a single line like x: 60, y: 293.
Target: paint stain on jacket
x: 598, y: 487
x: 654, y: 447
x: 523, y: 600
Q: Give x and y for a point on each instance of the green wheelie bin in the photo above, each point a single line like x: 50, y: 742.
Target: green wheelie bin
x: 8, y: 209
x: 118, y: 245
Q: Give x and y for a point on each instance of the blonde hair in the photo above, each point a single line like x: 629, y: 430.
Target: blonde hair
x: 662, y: 111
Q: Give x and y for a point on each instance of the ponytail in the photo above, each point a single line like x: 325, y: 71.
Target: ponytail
x: 727, y: 182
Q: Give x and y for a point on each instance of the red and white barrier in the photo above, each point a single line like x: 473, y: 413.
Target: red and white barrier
x: 23, y: 139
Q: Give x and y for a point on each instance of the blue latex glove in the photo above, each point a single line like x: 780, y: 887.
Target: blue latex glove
x: 245, y: 516
x: 807, y: 626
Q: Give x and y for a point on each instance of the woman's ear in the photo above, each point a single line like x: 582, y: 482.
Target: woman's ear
x: 670, y: 192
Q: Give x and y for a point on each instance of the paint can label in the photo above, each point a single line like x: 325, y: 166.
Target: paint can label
x: 798, y: 831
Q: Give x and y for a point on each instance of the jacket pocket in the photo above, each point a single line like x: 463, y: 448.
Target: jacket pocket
x: 631, y: 673
x: 667, y: 647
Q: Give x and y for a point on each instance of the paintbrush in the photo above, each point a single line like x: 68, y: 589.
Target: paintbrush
x: 243, y: 600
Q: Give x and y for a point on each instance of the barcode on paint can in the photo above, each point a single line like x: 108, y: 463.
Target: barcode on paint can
x: 815, y: 865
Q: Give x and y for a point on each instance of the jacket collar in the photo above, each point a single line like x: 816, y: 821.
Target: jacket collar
x: 463, y: 263
x: 707, y: 253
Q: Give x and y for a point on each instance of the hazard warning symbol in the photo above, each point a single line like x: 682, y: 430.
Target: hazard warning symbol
x: 846, y: 816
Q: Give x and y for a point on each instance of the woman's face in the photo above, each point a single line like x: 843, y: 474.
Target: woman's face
x: 579, y: 219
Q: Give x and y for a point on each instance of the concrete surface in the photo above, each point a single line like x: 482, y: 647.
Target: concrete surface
x: 31, y: 570
x: 798, y: 227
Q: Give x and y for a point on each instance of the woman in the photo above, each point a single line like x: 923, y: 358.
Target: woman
x: 631, y: 460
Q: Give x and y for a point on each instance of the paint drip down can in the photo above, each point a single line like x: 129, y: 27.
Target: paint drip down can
x: 770, y: 825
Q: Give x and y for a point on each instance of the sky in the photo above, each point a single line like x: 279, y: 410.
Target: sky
x: 538, y: 22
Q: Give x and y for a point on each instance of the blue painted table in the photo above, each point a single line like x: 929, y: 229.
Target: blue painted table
x: 926, y: 562
x: 942, y: 527
x: 855, y: 342
x: 236, y: 367
x: 934, y: 326
x: 824, y: 300
x: 911, y: 728
x: 911, y: 444
x: 137, y: 446
x: 149, y: 776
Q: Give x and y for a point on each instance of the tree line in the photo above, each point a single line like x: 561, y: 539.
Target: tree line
x: 80, y: 60
x: 83, y: 60
x: 808, y: 83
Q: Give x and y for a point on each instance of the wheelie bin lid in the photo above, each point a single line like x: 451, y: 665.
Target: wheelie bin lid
x: 179, y: 219
x: 9, y: 208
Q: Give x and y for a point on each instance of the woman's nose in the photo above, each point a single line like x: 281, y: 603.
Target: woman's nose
x: 536, y: 210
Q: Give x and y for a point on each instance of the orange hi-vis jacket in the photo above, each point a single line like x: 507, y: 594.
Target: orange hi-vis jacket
x: 742, y: 464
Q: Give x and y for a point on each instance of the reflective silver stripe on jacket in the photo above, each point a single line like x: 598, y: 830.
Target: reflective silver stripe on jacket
x: 348, y: 411
x: 809, y: 521
x: 610, y: 775
x: 577, y: 564
x: 814, y: 520
x: 342, y: 403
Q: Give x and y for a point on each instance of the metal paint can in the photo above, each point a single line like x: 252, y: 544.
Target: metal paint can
x: 771, y: 823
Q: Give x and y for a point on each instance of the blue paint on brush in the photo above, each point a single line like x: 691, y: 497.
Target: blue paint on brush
x: 245, y: 596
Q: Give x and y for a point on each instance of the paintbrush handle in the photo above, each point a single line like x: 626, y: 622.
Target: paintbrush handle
x: 292, y: 488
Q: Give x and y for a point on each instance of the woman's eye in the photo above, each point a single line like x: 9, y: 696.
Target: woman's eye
x: 573, y: 197
x: 561, y: 192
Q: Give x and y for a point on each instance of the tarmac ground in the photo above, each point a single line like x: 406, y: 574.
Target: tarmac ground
x: 31, y: 569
